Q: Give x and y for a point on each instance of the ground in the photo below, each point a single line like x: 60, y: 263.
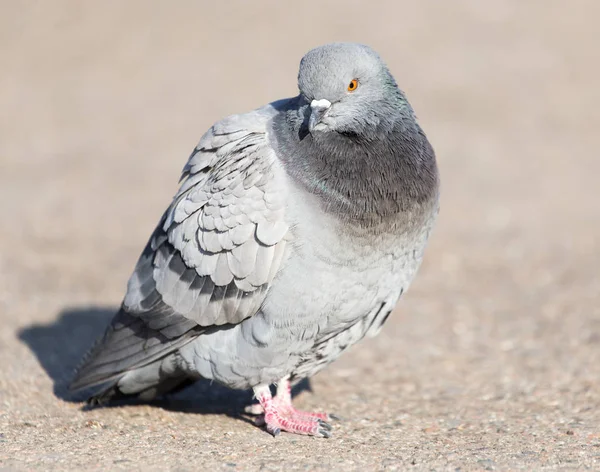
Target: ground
x: 492, y: 359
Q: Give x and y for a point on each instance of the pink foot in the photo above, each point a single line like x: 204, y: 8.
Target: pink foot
x: 288, y: 410
x: 278, y: 414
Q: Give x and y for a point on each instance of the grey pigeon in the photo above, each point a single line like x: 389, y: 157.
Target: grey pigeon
x: 296, y: 229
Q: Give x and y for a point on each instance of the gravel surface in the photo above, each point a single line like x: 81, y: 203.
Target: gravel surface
x: 492, y: 360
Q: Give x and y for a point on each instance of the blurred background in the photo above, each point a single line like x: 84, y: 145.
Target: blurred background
x: 492, y: 360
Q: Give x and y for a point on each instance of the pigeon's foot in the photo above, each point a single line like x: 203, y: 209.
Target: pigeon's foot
x: 256, y: 409
x: 289, y: 410
x: 278, y: 414
x: 283, y: 402
x: 276, y: 422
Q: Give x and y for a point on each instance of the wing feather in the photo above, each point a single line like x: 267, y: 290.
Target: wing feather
x: 211, y: 258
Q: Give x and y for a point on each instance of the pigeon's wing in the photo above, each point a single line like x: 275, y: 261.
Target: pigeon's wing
x: 212, y: 256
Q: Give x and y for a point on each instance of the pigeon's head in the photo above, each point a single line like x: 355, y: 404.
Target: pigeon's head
x: 350, y: 91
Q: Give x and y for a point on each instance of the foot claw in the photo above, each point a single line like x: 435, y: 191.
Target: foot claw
x: 335, y: 417
x: 324, y: 425
x: 324, y: 432
x: 275, y: 432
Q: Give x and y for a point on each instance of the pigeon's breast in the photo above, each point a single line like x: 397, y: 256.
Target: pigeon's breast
x: 336, y: 272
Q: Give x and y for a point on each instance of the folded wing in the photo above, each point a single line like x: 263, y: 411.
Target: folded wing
x: 212, y: 257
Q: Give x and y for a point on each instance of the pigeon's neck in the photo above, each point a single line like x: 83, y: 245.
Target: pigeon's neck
x: 367, y: 181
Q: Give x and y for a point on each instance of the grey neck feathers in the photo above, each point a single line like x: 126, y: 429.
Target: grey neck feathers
x: 369, y: 179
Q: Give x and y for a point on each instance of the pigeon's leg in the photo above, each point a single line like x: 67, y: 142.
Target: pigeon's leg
x: 283, y: 399
x: 278, y: 418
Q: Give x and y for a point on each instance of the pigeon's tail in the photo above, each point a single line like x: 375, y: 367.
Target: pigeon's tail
x: 132, y: 359
x: 146, y: 383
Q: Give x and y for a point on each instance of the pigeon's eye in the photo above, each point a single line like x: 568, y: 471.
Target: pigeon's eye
x: 353, y: 85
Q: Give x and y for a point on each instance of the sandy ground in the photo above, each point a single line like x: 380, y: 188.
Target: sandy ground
x: 492, y: 360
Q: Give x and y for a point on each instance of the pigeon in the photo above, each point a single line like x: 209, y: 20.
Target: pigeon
x: 295, y: 231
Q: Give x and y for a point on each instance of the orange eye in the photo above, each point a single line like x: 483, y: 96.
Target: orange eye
x: 353, y: 85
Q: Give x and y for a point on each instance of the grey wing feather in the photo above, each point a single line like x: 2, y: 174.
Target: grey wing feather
x: 212, y: 256
x: 129, y: 343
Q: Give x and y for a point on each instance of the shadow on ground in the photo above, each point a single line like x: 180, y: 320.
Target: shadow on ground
x: 60, y: 346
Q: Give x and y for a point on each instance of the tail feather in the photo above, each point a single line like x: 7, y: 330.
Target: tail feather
x: 146, y: 383
x: 128, y: 344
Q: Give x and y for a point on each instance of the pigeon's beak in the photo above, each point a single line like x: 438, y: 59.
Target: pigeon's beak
x: 318, y: 110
